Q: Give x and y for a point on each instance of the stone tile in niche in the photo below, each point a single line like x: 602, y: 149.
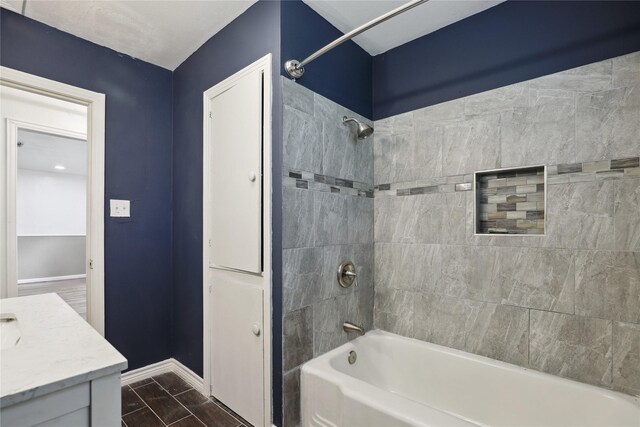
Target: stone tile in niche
x: 569, y: 168
x: 574, y: 347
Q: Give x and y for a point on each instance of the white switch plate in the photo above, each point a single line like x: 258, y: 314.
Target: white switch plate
x: 119, y: 208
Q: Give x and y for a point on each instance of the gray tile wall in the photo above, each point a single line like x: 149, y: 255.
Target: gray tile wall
x: 566, y: 303
x: 321, y: 229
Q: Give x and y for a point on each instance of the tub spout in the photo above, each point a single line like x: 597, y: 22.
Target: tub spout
x: 350, y: 327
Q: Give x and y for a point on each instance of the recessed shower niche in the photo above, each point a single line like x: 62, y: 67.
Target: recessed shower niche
x: 510, y: 201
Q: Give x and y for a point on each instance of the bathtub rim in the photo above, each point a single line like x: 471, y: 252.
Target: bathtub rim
x: 322, y: 365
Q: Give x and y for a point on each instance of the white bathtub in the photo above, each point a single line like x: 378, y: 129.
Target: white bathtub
x: 398, y: 381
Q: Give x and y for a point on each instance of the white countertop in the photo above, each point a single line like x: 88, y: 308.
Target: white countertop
x: 57, y: 349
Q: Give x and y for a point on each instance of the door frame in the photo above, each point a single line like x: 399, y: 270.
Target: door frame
x: 95, y: 103
x: 263, y: 65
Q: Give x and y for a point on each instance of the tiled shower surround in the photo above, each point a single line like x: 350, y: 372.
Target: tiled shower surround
x: 328, y: 217
x: 566, y: 302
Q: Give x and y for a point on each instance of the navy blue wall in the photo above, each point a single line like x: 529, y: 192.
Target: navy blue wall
x: 248, y: 38
x: 138, y: 167
x: 509, y: 43
x: 343, y: 75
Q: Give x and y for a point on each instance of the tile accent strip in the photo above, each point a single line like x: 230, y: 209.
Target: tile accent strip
x: 313, y: 181
x: 556, y: 174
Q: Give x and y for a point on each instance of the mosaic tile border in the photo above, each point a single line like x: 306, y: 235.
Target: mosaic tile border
x: 330, y: 184
x: 556, y: 174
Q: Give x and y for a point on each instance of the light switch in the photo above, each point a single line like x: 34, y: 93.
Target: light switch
x: 119, y: 208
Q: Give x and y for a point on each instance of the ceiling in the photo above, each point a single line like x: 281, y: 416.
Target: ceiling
x: 167, y: 32
x: 164, y: 33
x: 42, y: 152
x: 426, y: 18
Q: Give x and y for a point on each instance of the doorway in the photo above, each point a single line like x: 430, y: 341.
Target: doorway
x: 52, y: 194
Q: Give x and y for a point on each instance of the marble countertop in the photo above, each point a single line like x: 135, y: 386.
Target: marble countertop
x: 57, y: 349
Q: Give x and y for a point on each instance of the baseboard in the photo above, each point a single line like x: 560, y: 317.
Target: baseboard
x: 52, y: 279
x: 169, y: 365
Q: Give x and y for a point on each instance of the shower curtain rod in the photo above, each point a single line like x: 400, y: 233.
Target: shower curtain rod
x: 295, y: 69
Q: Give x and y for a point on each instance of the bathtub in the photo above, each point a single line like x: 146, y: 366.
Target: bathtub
x: 398, y: 381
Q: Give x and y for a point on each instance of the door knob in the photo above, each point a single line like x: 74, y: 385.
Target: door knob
x: 252, y: 176
x: 255, y: 329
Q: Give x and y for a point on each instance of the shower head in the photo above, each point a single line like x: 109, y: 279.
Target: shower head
x: 364, y: 130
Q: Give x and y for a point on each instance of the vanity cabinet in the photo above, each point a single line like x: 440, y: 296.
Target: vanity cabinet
x: 60, y: 372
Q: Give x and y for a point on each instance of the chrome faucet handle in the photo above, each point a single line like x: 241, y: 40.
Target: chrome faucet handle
x: 347, y: 275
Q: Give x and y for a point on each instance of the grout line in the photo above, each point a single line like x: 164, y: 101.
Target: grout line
x: 145, y: 402
x: 135, y: 410
x: 177, y: 421
x: 176, y: 400
x: 183, y: 392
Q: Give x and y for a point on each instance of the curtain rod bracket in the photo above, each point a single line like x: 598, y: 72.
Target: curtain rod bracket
x: 293, y: 68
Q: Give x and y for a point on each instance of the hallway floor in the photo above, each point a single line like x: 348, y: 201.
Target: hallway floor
x: 73, y: 292
x: 167, y: 400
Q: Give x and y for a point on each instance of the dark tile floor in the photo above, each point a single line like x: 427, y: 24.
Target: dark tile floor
x: 167, y: 400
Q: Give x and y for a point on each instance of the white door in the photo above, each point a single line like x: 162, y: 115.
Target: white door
x: 236, y: 176
x: 237, y: 346
x: 234, y: 212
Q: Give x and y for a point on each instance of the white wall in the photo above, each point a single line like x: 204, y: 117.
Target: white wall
x: 51, y: 204
x: 28, y: 107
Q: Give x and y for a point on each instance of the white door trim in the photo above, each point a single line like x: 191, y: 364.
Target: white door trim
x: 95, y: 103
x: 263, y: 65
